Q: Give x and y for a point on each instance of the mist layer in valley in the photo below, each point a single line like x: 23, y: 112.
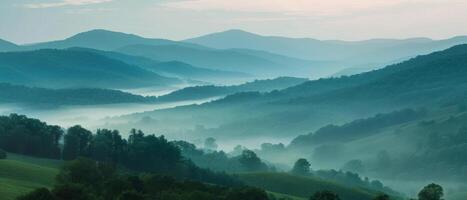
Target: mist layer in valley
x: 384, y: 116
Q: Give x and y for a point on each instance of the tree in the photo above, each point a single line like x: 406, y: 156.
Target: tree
x: 325, y: 195
x: 38, y: 194
x: 151, y: 154
x: 107, y: 145
x: 251, y: 162
x: 19, y: 134
x: 77, y: 142
x: 210, y: 144
x: 3, y: 154
x: 431, y: 192
x: 301, y: 167
x: 382, y: 197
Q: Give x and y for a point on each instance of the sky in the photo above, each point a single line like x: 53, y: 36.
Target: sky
x: 29, y: 21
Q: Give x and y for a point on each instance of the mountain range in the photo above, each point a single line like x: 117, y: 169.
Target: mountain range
x: 248, y: 53
x: 429, y: 80
x: 37, y: 97
x: 167, y: 50
x: 68, y: 68
x: 367, y: 53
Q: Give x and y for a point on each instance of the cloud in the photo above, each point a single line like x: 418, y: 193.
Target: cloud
x: 65, y: 3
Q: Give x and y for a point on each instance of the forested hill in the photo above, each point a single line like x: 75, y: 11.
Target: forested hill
x: 68, y: 68
x: 55, y: 97
x: 202, y: 92
x: 170, y: 68
x: 431, y: 79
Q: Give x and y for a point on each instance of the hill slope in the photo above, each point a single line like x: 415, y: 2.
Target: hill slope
x: 230, y: 60
x: 8, y: 46
x: 56, y: 97
x: 22, y: 174
x: 369, y: 53
x: 103, y: 40
x: 68, y: 68
x: 302, y: 186
x: 428, y: 80
x: 172, y: 68
x: 204, y: 92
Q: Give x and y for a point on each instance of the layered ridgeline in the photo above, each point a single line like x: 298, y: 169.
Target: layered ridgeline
x: 426, y: 80
x: 172, y: 68
x: 209, y: 91
x: 264, y: 64
x: 104, y: 40
x: 8, y: 46
x: 69, y: 68
x: 238, y: 60
x: 35, y: 97
x: 360, y: 54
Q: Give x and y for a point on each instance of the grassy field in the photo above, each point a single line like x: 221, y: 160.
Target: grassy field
x: 302, y: 187
x: 21, y: 174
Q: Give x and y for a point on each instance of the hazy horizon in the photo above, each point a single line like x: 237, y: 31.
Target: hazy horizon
x: 178, y: 20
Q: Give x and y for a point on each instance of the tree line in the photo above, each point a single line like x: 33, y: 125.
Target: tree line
x: 140, y: 152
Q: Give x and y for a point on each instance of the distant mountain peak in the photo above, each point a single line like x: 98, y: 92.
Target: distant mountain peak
x: 102, y: 33
x: 7, y: 46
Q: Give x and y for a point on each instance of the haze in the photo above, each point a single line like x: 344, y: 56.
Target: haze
x: 179, y: 19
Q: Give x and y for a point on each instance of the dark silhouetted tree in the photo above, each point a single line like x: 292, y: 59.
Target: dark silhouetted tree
x: 251, y: 162
x: 431, y: 192
x: 77, y: 142
x: 301, y: 167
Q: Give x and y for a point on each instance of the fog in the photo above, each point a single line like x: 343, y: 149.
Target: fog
x: 90, y: 117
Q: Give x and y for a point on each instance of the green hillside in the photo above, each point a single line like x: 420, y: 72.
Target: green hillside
x: 366, y: 53
x: 68, y: 68
x: 207, y: 91
x: 302, y: 186
x: 171, y: 68
x: 21, y: 174
x: 429, y: 80
x: 34, y: 96
x: 226, y: 60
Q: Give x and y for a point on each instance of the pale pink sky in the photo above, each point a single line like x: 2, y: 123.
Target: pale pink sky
x: 37, y: 20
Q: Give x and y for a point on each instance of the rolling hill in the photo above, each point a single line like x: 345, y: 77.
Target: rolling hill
x: 22, y: 174
x: 57, y: 97
x: 303, y: 186
x: 172, y: 68
x: 103, y: 40
x: 226, y: 60
x: 428, y: 80
x: 368, y: 53
x: 208, y: 91
x: 8, y: 46
x: 237, y: 60
x: 68, y: 68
